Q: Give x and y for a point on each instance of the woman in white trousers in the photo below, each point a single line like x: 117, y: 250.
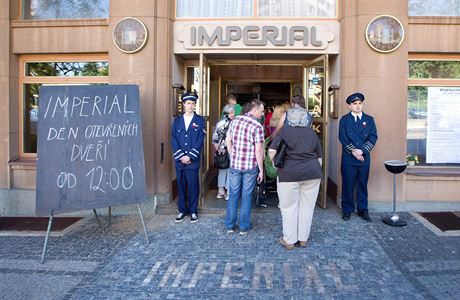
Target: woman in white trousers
x: 300, y: 177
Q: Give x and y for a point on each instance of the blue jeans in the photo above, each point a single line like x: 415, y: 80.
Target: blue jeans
x: 222, y: 179
x: 241, y: 185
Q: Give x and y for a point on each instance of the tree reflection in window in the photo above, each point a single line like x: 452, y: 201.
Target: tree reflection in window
x: 65, y: 69
x: 434, y: 69
x: 65, y: 9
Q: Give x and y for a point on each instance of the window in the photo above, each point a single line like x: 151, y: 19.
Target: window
x: 46, y: 70
x: 64, y: 9
x: 434, y: 8
x: 214, y: 8
x: 297, y: 8
x: 265, y: 8
x: 433, y: 103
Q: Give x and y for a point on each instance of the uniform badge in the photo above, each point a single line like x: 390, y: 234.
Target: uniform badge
x: 194, y: 125
x: 364, y: 124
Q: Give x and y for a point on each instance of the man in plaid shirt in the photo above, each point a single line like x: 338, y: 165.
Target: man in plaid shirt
x: 245, y: 142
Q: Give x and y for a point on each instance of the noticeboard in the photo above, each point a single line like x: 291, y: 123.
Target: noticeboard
x: 90, y: 150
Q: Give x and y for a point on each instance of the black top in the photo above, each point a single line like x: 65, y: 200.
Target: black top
x: 303, y: 150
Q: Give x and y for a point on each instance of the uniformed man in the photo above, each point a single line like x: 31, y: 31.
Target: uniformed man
x: 358, y: 135
x: 187, y: 136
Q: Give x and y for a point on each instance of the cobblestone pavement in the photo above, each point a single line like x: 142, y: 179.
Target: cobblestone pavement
x: 344, y: 260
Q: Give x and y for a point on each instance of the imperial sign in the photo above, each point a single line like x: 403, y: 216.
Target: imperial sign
x: 300, y: 36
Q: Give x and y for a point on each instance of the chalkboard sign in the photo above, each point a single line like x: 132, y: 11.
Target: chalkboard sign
x: 90, y: 150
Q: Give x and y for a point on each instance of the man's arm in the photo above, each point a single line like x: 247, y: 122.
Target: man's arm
x: 197, y: 146
x: 228, y: 140
x: 346, y: 142
x: 372, y: 137
x: 260, y: 160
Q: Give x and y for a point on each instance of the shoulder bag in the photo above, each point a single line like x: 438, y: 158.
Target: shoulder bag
x: 222, y: 160
x: 280, y: 155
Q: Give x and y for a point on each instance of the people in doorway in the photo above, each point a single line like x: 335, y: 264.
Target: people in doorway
x: 268, y: 116
x: 298, y: 107
x: 299, y: 179
x: 245, y: 142
x: 231, y: 99
x: 220, y: 144
x: 358, y: 135
x: 187, y: 137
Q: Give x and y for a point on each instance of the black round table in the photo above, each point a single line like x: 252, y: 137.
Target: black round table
x: 395, y: 167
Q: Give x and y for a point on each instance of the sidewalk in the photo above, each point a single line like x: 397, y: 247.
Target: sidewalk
x: 344, y: 260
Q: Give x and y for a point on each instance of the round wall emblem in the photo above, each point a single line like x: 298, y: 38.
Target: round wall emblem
x: 384, y: 33
x: 129, y: 35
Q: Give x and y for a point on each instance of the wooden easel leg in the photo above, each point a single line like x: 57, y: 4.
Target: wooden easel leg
x: 48, y: 231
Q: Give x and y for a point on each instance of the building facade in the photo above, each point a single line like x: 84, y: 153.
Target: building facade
x: 403, y: 55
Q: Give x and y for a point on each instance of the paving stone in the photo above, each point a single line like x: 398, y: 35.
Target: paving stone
x: 343, y: 260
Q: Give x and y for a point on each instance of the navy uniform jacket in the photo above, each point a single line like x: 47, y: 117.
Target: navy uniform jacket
x: 361, y: 136
x: 188, y: 142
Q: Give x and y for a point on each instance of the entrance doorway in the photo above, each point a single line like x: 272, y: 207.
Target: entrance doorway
x: 272, y: 81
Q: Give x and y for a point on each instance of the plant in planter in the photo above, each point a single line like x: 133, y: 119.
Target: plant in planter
x: 412, y: 159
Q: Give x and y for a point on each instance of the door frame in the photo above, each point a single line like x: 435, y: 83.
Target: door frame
x: 204, y: 65
x: 323, y: 120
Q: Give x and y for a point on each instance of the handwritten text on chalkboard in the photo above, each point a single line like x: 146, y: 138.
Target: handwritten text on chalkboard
x: 90, y: 151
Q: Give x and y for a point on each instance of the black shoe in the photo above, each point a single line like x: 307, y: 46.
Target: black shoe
x: 346, y: 216
x: 194, y: 218
x: 180, y: 217
x: 365, y: 216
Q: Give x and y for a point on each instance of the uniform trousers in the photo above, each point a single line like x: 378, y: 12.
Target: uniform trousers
x: 297, y: 201
x: 188, y: 188
x: 354, y: 176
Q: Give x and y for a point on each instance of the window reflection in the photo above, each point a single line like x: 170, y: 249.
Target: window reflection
x: 434, y: 8
x: 64, y: 9
x: 52, y: 73
x: 434, y: 69
x: 213, y: 8
x: 30, y: 117
x: 65, y: 69
x: 315, y: 91
x: 297, y: 8
x: 417, y: 121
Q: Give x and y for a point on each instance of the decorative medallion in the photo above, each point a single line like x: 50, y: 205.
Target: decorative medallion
x: 129, y: 35
x: 384, y: 33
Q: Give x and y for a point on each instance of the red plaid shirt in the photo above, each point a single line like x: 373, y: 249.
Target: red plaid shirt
x: 245, y: 131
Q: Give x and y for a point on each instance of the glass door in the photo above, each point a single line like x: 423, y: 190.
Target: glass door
x: 204, y: 110
x: 315, y: 83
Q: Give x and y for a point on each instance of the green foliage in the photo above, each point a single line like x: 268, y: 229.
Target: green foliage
x: 66, y: 69
x: 434, y: 69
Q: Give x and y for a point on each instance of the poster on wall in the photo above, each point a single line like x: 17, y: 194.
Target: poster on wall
x: 443, y: 130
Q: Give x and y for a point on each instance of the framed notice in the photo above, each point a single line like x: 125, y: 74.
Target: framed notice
x: 384, y: 33
x: 129, y: 35
x: 443, y: 132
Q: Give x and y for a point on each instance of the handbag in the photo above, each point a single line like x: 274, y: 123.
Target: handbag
x: 221, y: 160
x: 280, y: 156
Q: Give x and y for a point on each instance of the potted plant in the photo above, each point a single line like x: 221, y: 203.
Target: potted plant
x: 412, y: 159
